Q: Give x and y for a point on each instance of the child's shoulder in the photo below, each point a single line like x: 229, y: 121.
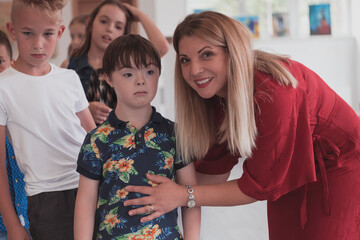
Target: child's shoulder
x: 163, y: 121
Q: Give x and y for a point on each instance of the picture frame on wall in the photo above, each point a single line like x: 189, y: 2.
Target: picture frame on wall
x: 252, y: 22
x: 280, y: 24
x: 320, y: 19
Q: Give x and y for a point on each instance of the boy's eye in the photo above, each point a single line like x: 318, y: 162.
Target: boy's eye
x: 2, y: 61
x: 150, y: 72
x: 48, y: 34
x: 127, y: 75
x: 27, y: 33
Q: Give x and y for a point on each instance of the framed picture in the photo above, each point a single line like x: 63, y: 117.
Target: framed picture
x: 320, y: 22
x: 252, y: 22
x: 280, y: 24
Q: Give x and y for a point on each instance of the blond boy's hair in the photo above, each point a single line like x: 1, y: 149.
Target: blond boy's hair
x: 47, y: 6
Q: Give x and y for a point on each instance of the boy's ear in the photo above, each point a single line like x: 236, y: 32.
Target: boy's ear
x: 11, y: 30
x: 108, y: 80
x: 60, y: 31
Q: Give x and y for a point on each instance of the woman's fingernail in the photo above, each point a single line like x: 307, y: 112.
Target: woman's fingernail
x: 131, y: 213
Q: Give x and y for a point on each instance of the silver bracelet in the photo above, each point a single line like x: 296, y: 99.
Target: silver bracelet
x: 191, y: 199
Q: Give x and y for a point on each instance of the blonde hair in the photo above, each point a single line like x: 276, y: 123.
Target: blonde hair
x: 47, y: 6
x: 195, y: 127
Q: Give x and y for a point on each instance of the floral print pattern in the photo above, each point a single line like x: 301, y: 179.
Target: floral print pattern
x: 117, y: 154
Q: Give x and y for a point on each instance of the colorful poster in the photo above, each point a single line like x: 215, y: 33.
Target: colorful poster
x: 281, y: 24
x: 320, y: 23
x: 252, y: 22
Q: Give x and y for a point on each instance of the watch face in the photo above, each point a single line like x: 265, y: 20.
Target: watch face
x: 191, y: 203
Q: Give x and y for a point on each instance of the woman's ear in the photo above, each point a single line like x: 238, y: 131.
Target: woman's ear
x: 108, y: 80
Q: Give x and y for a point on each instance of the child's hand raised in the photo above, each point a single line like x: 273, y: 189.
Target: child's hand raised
x: 134, y: 11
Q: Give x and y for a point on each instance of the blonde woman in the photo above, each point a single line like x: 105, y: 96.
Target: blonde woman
x: 301, y: 140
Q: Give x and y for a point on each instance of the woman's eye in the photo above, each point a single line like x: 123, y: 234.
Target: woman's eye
x: 207, y: 54
x: 118, y: 27
x: 103, y: 21
x: 184, y: 60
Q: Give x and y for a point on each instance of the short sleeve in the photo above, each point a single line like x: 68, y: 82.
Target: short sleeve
x: 89, y: 161
x: 283, y: 159
x: 3, y: 112
x: 81, y: 103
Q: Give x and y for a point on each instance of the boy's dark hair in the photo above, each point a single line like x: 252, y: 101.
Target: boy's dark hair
x: 129, y: 47
x: 4, y: 40
x: 117, y: 3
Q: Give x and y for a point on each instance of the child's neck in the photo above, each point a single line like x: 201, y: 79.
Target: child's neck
x: 95, y: 56
x: 31, y: 70
x: 138, y: 117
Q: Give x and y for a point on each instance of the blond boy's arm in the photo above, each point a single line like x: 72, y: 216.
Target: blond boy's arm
x: 152, y: 31
x: 191, y: 218
x: 87, y: 121
x: 11, y: 221
x: 85, y: 207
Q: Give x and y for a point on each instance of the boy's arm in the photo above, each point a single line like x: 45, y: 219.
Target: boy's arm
x: 85, y: 207
x: 191, y: 218
x: 13, y: 226
x: 152, y: 31
x: 87, y: 121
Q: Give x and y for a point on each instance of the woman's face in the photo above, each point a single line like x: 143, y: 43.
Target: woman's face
x: 203, y: 66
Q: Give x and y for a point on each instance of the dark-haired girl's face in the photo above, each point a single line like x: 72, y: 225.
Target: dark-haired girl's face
x: 108, y: 24
x: 203, y: 66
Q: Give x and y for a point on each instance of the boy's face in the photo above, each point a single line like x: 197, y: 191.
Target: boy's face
x: 36, y: 35
x: 5, y: 60
x: 135, y: 87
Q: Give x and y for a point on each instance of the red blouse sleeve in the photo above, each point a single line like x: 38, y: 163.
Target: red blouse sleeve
x: 217, y: 161
x: 283, y: 159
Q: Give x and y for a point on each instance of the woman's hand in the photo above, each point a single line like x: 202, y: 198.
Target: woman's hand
x: 163, y: 198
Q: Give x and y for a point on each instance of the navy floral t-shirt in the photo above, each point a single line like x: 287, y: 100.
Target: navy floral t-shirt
x: 117, y: 154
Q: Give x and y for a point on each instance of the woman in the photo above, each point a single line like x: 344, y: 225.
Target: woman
x: 301, y: 140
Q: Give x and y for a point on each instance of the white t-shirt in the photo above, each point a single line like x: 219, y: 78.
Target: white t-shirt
x: 40, y: 115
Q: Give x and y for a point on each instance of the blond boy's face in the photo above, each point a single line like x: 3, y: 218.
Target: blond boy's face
x: 36, y: 35
x: 5, y: 60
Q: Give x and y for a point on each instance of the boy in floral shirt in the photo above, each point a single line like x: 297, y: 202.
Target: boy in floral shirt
x: 133, y: 141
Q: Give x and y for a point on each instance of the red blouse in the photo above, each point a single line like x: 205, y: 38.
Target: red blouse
x: 308, y: 140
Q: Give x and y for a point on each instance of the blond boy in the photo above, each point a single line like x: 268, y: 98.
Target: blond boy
x: 43, y: 111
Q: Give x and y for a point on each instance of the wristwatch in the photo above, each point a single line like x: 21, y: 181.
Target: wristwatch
x: 191, y: 199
